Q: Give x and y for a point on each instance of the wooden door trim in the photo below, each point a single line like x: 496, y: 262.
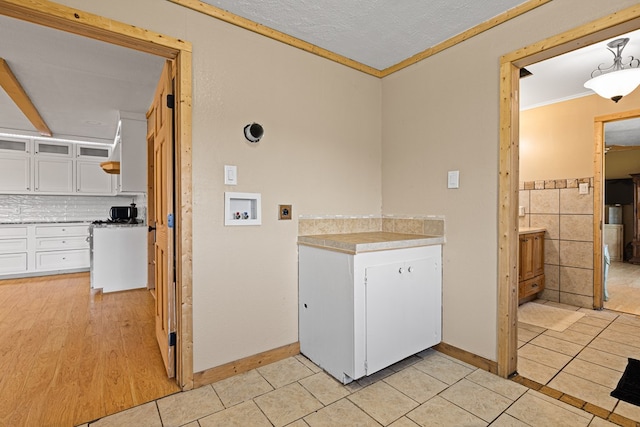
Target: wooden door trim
x: 601, y: 29
x: 598, y: 199
x: 85, y: 24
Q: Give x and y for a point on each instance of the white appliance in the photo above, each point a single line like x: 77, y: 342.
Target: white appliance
x: 359, y: 313
x: 118, y: 257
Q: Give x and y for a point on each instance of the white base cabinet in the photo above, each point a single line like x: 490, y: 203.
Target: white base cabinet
x: 46, y: 248
x: 361, y: 313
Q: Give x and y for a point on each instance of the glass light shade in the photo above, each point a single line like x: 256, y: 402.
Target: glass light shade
x: 616, y: 83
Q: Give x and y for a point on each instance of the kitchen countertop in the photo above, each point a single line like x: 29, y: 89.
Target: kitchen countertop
x: 526, y: 230
x: 354, y: 243
x: 74, y: 221
x: 117, y: 224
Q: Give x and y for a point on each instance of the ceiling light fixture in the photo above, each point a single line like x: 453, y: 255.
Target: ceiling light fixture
x: 619, y: 79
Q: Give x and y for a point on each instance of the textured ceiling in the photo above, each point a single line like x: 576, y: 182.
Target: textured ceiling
x: 79, y: 84
x: 377, y: 33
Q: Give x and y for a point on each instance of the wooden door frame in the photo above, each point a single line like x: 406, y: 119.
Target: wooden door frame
x: 604, y: 28
x: 85, y: 24
x: 598, y: 199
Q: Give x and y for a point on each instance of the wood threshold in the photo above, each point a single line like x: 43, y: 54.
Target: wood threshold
x: 465, y: 356
x: 246, y: 364
x: 609, y: 26
x: 53, y: 15
x: 263, y: 30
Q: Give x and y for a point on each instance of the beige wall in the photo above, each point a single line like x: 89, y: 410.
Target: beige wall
x: 557, y: 140
x: 320, y: 153
x: 442, y: 114
x: 339, y: 142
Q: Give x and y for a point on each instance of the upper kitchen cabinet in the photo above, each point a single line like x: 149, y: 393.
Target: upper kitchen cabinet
x: 53, y: 165
x: 90, y: 178
x: 131, y: 151
x: 29, y: 166
x: 15, y: 166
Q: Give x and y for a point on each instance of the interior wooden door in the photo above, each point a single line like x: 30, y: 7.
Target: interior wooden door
x: 151, y: 200
x: 163, y: 210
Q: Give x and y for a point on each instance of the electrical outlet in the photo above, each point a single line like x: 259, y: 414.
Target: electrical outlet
x: 284, y: 211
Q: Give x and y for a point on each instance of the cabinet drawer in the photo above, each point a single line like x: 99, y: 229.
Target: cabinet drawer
x: 13, y: 263
x: 13, y: 232
x: 62, y: 230
x: 53, y: 243
x: 62, y: 260
x: 531, y: 286
x: 13, y: 245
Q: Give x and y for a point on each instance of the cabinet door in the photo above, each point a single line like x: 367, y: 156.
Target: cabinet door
x: 91, y: 179
x: 403, y: 310
x: 525, y: 258
x: 538, y: 254
x: 53, y: 175
x: 15, y: 174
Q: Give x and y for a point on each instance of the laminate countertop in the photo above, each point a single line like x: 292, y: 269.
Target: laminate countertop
x: 526, y: 230
x: 355, y: 243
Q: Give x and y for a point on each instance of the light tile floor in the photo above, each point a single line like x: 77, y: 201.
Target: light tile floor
x: 428, y: 389
x: 585, y: 361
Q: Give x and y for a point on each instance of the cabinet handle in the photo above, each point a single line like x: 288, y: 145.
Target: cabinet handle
x: 410, y: 269
x: 535, y: 285
x: 401, y: 270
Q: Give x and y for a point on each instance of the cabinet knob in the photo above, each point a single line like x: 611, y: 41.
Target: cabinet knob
x: 64, y: 242
x: 401, y: 270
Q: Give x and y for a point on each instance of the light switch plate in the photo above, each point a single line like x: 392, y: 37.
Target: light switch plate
x: 453, y: 179
x: 230, y: 175
x: 583, y: 188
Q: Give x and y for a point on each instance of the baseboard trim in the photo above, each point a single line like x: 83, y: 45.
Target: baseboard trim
x: 470, y: 358
x: 230, y: 369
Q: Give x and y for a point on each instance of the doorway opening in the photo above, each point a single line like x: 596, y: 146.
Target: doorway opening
x: 602, y: 29
x: 179, y: 53
x: 617, y: 142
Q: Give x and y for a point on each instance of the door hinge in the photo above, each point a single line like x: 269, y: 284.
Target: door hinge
x: 171, y: 101
x: 172, y: 339
x: 170, y: 220
x: 366, y: 366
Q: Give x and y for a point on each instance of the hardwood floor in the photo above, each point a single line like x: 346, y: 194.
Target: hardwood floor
x: 69, y: 354
x: 623, y: 285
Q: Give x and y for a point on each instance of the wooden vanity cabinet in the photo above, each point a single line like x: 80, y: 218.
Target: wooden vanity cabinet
x: 530, y: 265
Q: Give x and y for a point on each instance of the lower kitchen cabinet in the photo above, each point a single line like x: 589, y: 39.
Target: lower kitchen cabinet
x: 359, y: 313
x: 13, y: 249
x: 35, y: 249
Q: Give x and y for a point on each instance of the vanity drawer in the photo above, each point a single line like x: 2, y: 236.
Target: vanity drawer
x: 530, y: 287
x: 8, y: 232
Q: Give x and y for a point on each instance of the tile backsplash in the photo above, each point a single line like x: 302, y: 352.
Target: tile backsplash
x: 567, y: 216
x: 339, y: 224
x: 44, y: 208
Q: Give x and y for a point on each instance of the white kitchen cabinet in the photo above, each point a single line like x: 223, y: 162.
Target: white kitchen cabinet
x: 13, y: 249
x: 46, y: 248
x: 15, y: 166
x: 61, y: 246
x: 15, y: 174
x: 359, y: 313
x: 53, y: 175
x: 91, y: 179
x: 131, y: 147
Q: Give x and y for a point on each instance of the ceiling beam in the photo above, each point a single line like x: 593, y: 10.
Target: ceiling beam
x: 14, y: 89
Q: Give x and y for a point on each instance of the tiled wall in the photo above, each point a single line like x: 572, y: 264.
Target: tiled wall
x: 28, y: 208
x: 567, y: 216
x: 337, y: 224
